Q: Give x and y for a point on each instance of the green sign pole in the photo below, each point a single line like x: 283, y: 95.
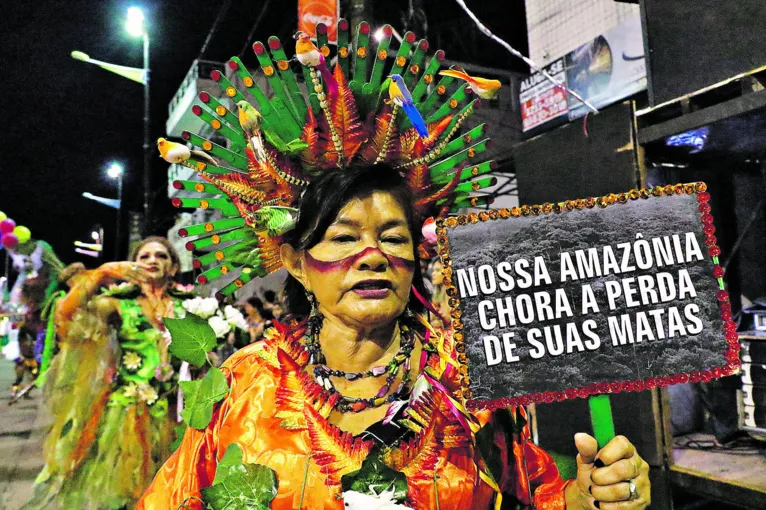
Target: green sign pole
x: 601, y: 419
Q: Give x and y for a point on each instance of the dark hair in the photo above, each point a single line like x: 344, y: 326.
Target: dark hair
x: 161, y: 240
x: 270, y: 296
x: 256, y: 303
x: 320, y: 205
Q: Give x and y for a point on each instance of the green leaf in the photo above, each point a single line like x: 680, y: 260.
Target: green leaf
x: 180, y: 431
x: 253, y: 488
x: 199, y: 397
x: 193, y: 338
x: 230, y: 463
x: 297, y: 145
x: 275, y: 140
x: 290, y: 148
x: 375, y: 477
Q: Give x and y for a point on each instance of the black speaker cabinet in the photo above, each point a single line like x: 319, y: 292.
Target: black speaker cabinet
x: 585, y: 158
x: 692, y: 44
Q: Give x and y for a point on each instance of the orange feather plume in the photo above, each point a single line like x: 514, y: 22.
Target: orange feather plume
x: 259, y: 176
x: 337, y: 452
x: 422, y: 205
x: 236, y: 187
x: 311, y: 155
x: 374, y: 145
x: 418, y: 179
x: 345, y: 119
x: 413, y: 147
x: 268, y: 246
x: 296, y: 389
x: 417, y: 457
x: 435, y: 130
x: 281, y: 342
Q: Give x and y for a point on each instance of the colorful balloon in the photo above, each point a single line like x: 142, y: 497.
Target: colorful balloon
x: 3, y: 216
x: 7, y: 226
x: 23, y: 234
x: 9, y: 240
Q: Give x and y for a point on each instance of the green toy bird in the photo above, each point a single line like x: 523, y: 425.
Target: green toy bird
x: 275, y: 219
x: 250, y: 121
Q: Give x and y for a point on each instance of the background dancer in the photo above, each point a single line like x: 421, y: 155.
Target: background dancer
x: 108, y: 394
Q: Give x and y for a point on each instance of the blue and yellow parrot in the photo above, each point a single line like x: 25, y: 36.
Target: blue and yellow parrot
x: 399, y: 94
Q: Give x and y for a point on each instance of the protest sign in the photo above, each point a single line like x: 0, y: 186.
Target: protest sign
x: 584, y: 297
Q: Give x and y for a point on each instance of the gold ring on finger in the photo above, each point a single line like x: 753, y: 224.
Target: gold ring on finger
x: 636, y: 467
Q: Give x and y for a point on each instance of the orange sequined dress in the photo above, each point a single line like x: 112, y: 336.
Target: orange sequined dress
x: 277, y: 415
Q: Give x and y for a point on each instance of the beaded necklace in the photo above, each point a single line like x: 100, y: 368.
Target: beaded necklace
x: 322, y: 373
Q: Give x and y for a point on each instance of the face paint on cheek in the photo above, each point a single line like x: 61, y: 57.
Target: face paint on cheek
x: 347, y: 263
x: 400, y: 263
x: 322, y: 266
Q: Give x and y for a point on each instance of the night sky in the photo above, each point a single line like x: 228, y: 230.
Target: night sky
x: 65, y: 121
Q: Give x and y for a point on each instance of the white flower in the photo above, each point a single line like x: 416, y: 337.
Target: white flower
x: 148, y: 394
x: 384, y: 501
x: 219, y: 325
x: 235, y: 318
x: 116, y: 287
x: 131, y: 360
x: 202, y: 307
x: 192, y: 305
x: 209, y: 307
x: 130, y: 390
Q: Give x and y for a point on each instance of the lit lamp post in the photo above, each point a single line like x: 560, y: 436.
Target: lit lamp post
x: 94, y: 249
x: 136, y: 27
x: 115, y: 172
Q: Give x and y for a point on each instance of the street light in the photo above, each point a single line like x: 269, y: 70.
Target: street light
x: 135, y: 23
x: 115, y: 171
x: 136, y: 27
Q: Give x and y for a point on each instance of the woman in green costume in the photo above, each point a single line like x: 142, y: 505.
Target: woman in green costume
x: 108, y: 388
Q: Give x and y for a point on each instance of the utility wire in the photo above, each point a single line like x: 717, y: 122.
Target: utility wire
x: 248, y: 40
x: 531, y: 63
x: 221, y: 14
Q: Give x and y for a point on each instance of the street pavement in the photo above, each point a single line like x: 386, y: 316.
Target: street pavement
x: 21, y: 437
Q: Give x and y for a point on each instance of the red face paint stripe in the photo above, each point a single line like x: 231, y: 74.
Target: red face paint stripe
x: 347, y: 262
x: 324, y: 267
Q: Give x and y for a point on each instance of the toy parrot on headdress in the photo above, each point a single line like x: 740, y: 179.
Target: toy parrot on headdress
x: 309, y: 55
x: 178, y: 153
x: 484, y: 88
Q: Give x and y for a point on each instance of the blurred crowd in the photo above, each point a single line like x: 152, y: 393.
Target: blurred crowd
x: 260, y: 312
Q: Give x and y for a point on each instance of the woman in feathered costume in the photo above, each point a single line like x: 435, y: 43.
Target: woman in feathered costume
x: 356, y: 402
x: 41, y: 277
x: 107, y: 389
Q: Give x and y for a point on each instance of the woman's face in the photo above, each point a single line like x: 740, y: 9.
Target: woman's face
x: 362, y: 269
x: 156, y: 260
x: 437, y: 278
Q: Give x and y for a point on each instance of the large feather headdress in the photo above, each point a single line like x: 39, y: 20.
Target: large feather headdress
x: 315, y: 119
